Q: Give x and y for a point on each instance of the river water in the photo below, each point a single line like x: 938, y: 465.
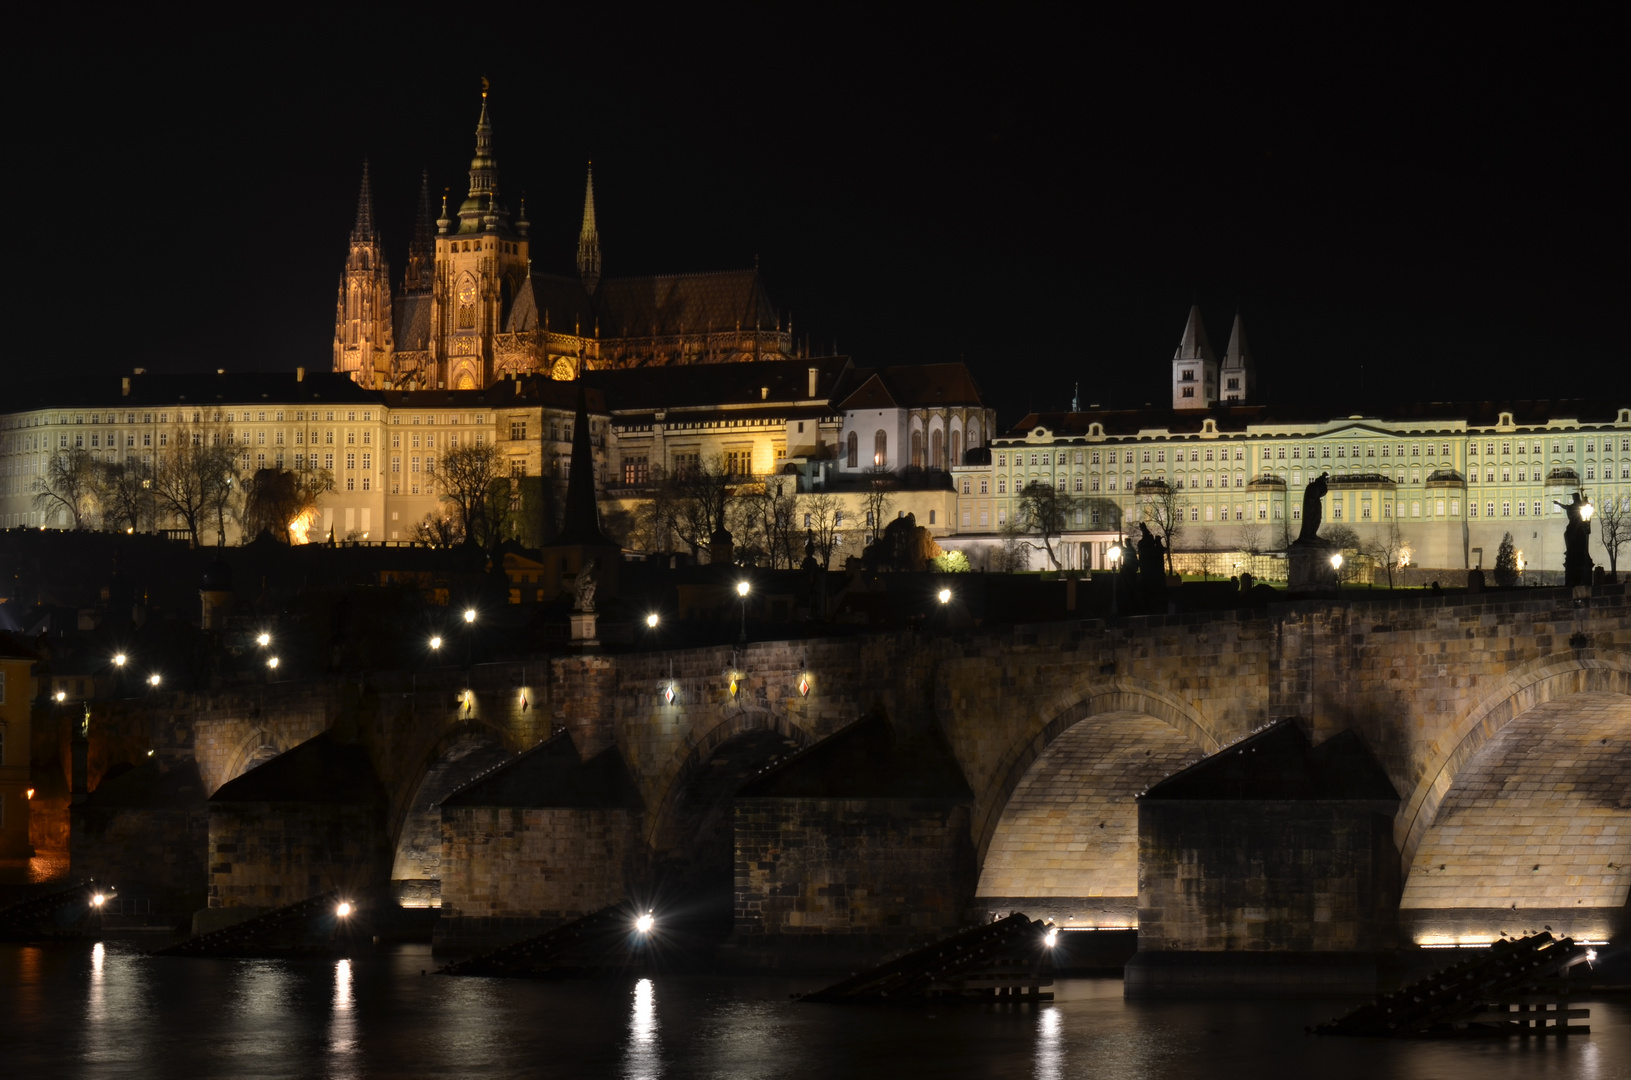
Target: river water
x: 108, y: 1010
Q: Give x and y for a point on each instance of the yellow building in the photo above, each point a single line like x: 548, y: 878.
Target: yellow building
x: 16, y: 699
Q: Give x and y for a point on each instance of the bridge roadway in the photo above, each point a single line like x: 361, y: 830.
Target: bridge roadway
x: 1503, y: 722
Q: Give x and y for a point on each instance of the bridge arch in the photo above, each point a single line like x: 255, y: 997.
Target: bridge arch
x: 256, y: 748
x: 1534, y: 830
x: 1525, y: 687
x: 666, y: 818
x: 1120, y: 695
x: 1062, y: 833
x: 459, y: 754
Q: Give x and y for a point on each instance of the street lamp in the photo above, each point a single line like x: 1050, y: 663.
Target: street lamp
x: 119, y: 660
x: 1586, y: 509
x: 62, y: 696
x: 651, y: 620
x: 343, y: 909
x: 264, y: 639
x: 271, y: 662
x: 469, y: 615
x: 435, y: 641
x: 153, y: 679
x: 742, y: 588
x: 1114, y: 555
x: 645, y: 923
x: 945, y: 596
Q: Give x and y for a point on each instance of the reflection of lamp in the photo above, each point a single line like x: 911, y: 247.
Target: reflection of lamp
x: 1521, y: 562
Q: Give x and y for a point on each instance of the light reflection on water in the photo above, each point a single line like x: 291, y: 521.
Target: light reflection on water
x: 109, y: 1010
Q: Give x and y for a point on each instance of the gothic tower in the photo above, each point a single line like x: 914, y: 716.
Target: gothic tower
x: 362, y: 317
x: 422, y: 249
x: 1194, y: 367
x: 588, y: 238
x: 1238, y: 371
x: 481, y: 261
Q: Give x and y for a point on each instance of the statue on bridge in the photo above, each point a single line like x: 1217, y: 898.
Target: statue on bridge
x: 583, y: 588
x: 1152, y: 573
x: 1312, y: 513
x: 1576, y: 541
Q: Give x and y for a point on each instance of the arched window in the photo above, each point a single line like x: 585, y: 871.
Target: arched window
x: 937, y: 460
x: 956, y: 447
x: 917, y: 449
x: 880, y: 449
x: 973, y: 434
x: 854, y: 450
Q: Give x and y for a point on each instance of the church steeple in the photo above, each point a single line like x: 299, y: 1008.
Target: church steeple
x: 1238, y: 373
x: 422, y: 249
x: 589, y: 238
x: 363, y: 231
x: 362, y: 318
x: 1194, y: 367
x: 482, y: 200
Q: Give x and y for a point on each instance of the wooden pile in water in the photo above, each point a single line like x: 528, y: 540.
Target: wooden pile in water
x: 1519, y: 987
x: 1008, y: 960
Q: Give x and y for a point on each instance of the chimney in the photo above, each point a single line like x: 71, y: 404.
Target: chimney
x: 764, y: 393
x: 517, y: 387
x: 140, y: 371
x: 124, y: 386
x: 813, y: 373
x: 299, y: 374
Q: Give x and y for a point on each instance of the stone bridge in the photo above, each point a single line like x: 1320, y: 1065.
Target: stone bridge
x: 1502, y: 721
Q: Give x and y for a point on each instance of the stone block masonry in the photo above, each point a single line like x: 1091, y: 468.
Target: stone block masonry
x: 545, y: 864
x: 265, y: 855
x: 882, y: 867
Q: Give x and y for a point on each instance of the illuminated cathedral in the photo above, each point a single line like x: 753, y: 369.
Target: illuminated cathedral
x: 471, y: 311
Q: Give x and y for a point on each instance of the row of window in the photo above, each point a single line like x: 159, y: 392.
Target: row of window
x: 1158, y: 455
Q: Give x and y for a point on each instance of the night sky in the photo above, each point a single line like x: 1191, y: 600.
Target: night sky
x: 1403, y: 211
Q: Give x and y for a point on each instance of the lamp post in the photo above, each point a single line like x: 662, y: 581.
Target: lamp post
x: 742, y: 588
x: 469, y: 634
x: 944, y: 596
x: 1114, y: 555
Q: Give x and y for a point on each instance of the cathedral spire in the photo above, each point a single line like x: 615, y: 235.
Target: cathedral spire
x: 363, y: 230
x: 482, y: 200
x: 589, y: 238
x: 421, y: 249
x: 1237, y: 355
x: 1238, y: 374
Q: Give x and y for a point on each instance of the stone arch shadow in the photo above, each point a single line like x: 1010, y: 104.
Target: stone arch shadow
x: 460, y: 752
x: 1532, y: 684
x: 1060, y: 838
x: 1536, y: 772
x: 695, y: 754
x: 255, y: 749
x: 1118, y: 696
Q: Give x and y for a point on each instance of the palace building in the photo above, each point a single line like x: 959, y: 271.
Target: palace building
x: 471, y: 310
x: 1455, y: 477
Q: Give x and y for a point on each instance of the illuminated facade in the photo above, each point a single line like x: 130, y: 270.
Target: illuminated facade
x: 472, y: 310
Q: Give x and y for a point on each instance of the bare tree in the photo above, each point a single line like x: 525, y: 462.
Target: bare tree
x: 823, y: 514
x: 1160, y: 507
x: 1045, y: 510
x: 1208, y: 552
x: 280, y: 502
x: 122, y: 491
x: 877, y: 498
x: 465, y: 476
x: 1614, y: 528
x: 1249, y: 535
x: 772, y: 511
x: 1385, y: 546
x: 1344, y: 539
x: 69, y: 486
x: 439, y: 531
x: 189, y: 476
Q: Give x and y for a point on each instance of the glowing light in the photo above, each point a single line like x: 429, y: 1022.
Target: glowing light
x: 1404, y: 556
x: 264, y: 639
x: 150, y: 753
x: 29, y: 794
x: 343, y: 910
x: 271, y: 662
x: 119, y: 660
x: 804, y: 686
x: 1052, y: 937
x: 300, y: 527
x: 62, y: 695
x: 644, y: 923
x: 1591, y: 956
x: 1586, y: 510
x: 98, y: 900
x: 1336, y: 561
x: 668, y: 694
x: 742, y: 588
x: 945, y: 596
x: 1114, y: 554
x: 651, y: 620
x: 435, y: 642
x: 154, y: 679
x: 469, y: 614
